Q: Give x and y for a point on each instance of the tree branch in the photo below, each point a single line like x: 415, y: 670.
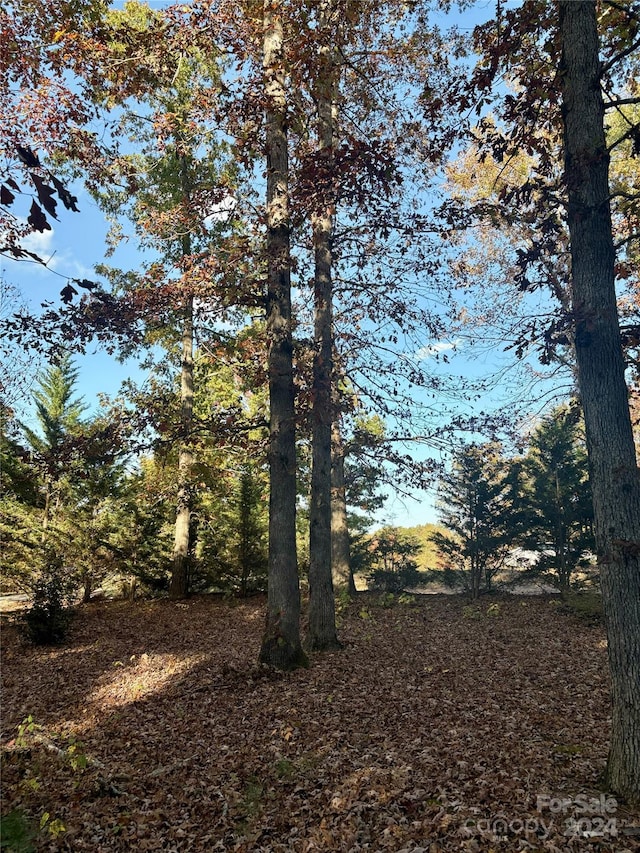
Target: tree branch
x: 627, y: 196
x: 623, y: 138
x: 625, y: 9
x: 623, y: 53
x: 620, y: 102
x: 629, y: 239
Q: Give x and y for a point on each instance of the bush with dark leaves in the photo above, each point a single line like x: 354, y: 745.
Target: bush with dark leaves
x: 47, y: 621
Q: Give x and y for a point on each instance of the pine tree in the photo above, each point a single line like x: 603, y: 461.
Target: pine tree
x: 475, y: 507
x: 252, y: 532
x: 557, y: 496
x: 180, y: 180
x: 58, y: 413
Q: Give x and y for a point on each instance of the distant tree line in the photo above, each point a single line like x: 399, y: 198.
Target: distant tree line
x: 540, y: 502
x: 89, y: 502
x: 532, y: 513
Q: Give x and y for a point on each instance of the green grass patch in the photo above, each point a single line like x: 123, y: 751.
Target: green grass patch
x: 584, y: 605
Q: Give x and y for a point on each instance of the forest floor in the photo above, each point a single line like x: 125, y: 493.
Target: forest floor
x: 440, y: 726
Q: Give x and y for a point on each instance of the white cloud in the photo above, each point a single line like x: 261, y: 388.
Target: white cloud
x: 40, y: 243
x: 222, y: 211
x: 433, y: 350
x: 72, y: 267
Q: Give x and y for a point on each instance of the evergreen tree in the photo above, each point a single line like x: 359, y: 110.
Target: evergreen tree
x: 19, y: 480
x: 557, y: 496
x: 20, y: 501
x: 359, y: 472
x: 341, y: 564
x: 97, y: 487
x: 252, y: 532
x: 475, y: 507
x: 181, y: 185
x: 391, y: 554
x: 58, y: 413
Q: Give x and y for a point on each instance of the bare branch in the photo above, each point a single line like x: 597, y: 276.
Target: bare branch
x: 620, y: 102
x: 619, y: 56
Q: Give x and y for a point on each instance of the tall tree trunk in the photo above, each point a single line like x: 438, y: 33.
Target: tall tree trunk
x: 322, y: 615
x: 340, y: 546
x: 564, y: 573
x: 179, y: 586
x: 46, y: 512
x: 614, y: 473
x: 182, y: 543
x: 281, y: 646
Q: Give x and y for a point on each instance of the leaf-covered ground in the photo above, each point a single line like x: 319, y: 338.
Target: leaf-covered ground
x: 439, y: 727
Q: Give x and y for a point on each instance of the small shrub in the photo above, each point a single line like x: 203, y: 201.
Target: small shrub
x: 342, y: 603
x: 16, y: 833
x: 472, y: 611
x: 453, y: 578
x: 54, y: 827
x: 27, y: 727
x: 253, y: 797
x: 387, y: 599
x: 47, y: 621
x: 76, y: 755
x: 383, y: 580
x: 284, y: 769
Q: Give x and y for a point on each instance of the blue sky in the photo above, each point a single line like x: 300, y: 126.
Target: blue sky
x: 72, y: 248
x: 77, y: 243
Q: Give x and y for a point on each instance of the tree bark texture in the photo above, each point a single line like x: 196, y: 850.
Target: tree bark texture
x: 182, y: 544
x: 340, y: 545
x: 614, y: 473
x: 46, y: 512
x: 179, y: 586
x: 322, y: 618
x: 281, y: 645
